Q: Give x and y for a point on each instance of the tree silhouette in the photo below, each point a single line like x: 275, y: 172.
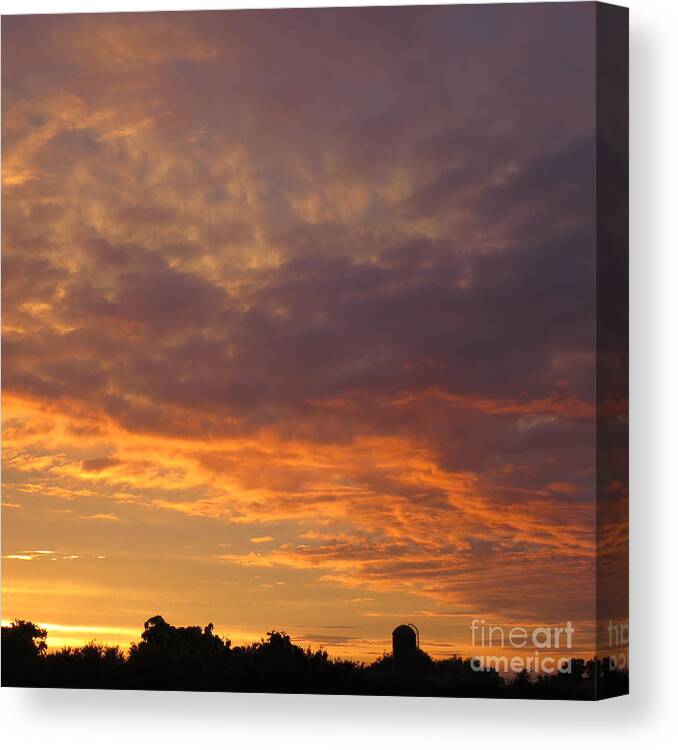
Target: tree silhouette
x: 23, y: 645
x: 194, y: 658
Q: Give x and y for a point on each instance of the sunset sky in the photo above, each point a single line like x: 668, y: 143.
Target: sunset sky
x: 297, y: 318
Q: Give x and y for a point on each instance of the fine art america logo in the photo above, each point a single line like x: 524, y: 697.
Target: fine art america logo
x: 552, y: 638
x: 556, y: 641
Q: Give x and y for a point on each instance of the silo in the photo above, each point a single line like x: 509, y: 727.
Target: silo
x: 405, y: 646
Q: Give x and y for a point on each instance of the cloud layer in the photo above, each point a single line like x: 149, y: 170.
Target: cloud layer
x: 323, y: 271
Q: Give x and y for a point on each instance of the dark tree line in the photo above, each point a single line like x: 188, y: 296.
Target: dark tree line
x: 195, y: 658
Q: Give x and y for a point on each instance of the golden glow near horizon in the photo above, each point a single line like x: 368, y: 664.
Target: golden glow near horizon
x: 289, y: 338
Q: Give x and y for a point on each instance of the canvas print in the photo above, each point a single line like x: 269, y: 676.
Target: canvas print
x: 315, y: 351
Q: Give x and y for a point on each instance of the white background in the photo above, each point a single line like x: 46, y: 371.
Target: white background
x: 83, y: 719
